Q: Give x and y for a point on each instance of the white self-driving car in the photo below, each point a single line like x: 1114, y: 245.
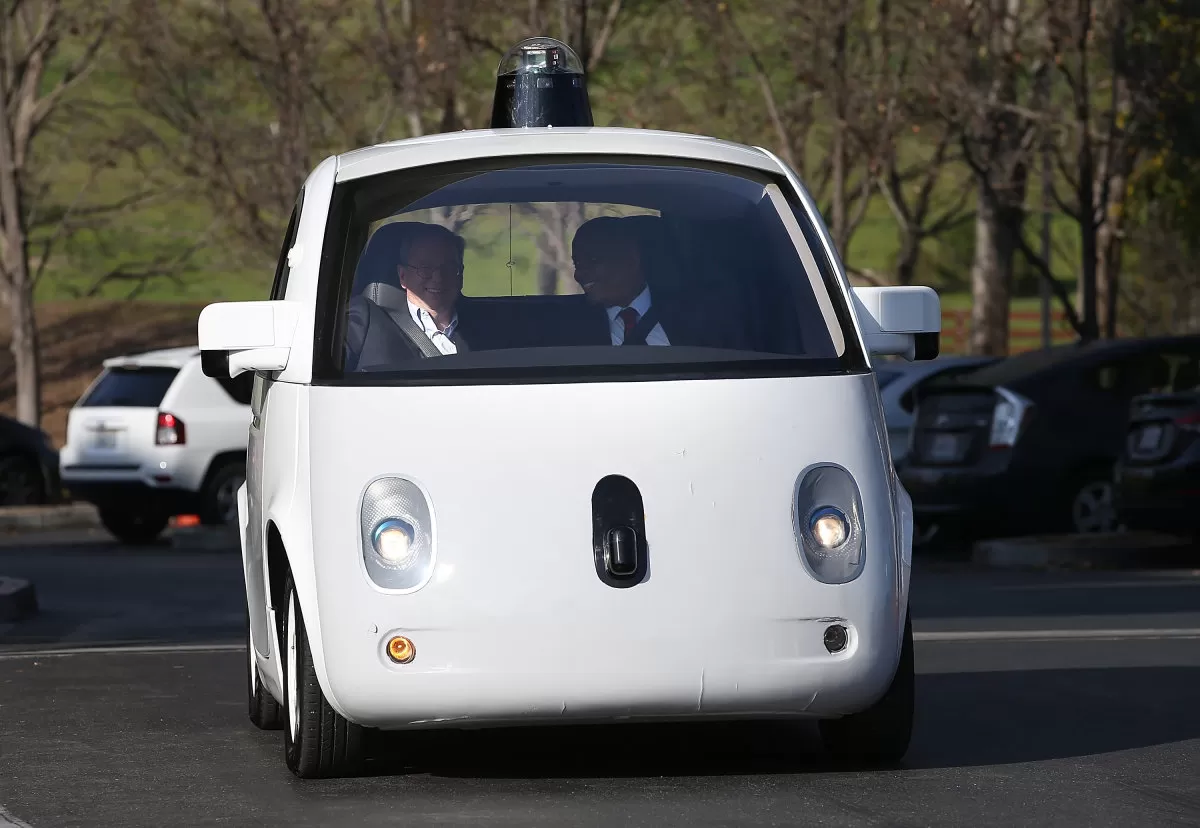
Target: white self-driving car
x: 569, y: 425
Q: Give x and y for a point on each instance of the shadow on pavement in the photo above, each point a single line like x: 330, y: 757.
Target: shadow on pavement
x: 963, y: 720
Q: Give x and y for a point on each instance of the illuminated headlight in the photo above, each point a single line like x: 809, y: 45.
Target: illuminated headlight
x: 397, y: 534
x: 829, y: 527
x: 395, y: 542
x: 828, y: 518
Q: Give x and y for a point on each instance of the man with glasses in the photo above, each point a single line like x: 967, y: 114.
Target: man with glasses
x: 413, y: 306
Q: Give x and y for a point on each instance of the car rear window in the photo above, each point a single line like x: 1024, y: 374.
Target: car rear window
x: 130, y: 388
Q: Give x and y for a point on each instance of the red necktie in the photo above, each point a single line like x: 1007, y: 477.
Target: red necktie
x: 629, y: 318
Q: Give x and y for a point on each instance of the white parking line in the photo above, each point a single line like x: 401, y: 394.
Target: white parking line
x: 933, y: 637
x: 1056, y: 635
x: 122, y: 649
x: 7, y: 820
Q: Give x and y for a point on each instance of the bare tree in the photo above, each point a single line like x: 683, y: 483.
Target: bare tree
x: 992, y: 86
x: 833, y: 82
x: 246, y: 97
x: 33, y: 90
x: 1096, y: 153
x: 909, y: 190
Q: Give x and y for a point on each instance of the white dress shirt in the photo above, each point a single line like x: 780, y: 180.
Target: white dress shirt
x: 440, y: 339
x: 641, y: 304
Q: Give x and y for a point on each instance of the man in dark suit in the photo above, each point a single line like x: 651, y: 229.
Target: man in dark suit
x: 612, y: 262
x: 418, y: 312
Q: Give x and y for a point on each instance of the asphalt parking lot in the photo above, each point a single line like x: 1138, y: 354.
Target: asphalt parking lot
x: 1043, y: 699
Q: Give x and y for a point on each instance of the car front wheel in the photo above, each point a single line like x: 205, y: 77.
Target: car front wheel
x: 880, y: 734
x: 318, y: 742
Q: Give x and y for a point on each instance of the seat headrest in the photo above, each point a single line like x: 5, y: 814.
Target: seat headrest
x: 388, y: 297
x: 377, y: 264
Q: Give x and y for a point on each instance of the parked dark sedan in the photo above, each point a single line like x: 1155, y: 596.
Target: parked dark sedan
x: 28, y: 465
x: 1158, y: 476
x: 1029, y: 444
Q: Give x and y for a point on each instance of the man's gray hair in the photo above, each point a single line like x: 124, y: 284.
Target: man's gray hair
x: 418, y: 231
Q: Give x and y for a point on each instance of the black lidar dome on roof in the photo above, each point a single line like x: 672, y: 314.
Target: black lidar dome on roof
x: 541, y: 82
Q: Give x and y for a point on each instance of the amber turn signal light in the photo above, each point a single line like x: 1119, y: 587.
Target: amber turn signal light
x: 401, y: 650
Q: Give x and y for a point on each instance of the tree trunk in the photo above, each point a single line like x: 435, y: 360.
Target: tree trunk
x: 907, y: 257
x: 991, y: 274
x: 26, y: 359
x: 839, y: 150
x: 17, y: 287
x: 1108, y: 256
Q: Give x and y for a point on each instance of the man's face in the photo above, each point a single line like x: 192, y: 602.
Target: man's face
x: 608, y: 269
x: 432, y: 275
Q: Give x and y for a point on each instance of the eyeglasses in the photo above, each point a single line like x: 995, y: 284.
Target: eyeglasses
x: 425, y: 271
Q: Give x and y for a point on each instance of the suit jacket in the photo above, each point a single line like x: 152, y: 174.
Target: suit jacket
x: 375, y: 339
x: 685, y: 323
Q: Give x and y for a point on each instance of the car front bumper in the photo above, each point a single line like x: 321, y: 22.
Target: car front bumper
x: 523, y: 672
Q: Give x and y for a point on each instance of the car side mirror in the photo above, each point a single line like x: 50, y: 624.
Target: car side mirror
x: 236, y: 337
x: 900, y: 320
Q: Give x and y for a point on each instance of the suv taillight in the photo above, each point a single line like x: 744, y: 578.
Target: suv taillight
x: 1188, y: 422
x: 1010, y: 414
x: 170, y: 430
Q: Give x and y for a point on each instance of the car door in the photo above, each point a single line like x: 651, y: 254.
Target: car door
x: 256, y: 535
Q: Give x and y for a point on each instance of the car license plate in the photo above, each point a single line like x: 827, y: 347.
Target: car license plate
x: 944, y: 447
x: 104, y: 440
x: 1150, y: 438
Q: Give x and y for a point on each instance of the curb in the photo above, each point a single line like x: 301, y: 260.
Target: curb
x: 48, y: 518
x: 1117, y: 550
x: 18, y: 599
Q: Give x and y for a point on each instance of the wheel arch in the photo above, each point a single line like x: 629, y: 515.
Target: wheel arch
x: 289, y: 552
x: 222, y: 458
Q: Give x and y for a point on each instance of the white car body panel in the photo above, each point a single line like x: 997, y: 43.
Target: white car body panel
x: 514, y: 625
x: 741, y: 619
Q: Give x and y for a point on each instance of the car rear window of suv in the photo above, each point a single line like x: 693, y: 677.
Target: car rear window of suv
x: 130, y: 388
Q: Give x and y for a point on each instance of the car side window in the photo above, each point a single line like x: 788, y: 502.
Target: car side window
x: 282, y: 269
x: 1160, y: 371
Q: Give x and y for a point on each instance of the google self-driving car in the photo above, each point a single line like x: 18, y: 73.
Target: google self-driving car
x: 487, y: 488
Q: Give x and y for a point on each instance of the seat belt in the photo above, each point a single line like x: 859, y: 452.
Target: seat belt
x: 410, y: 330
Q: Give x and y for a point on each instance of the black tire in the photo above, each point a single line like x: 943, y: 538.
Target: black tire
x: 318, y: 743
x: 1089, y: 505
x: 218, y: 498
x: 132, y: 527
x: 265, y: 712
x: 21, y: 482
x: 879, y: 735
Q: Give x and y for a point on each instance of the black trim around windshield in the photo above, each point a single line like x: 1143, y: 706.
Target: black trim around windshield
x: 500, y: 367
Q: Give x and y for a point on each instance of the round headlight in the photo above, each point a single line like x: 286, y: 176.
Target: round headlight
x: 829, y: 527
x: 394, y: 541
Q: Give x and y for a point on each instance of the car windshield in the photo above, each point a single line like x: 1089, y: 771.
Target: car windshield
x: 526, y: 268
